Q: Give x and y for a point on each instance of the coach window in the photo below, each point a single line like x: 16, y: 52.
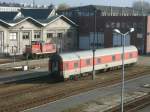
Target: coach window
x: 113, y: 58
x: 130, y: 55
x: 66, y: 66
x: 88, y: 62
x: 98, y: 60
x: 76, y: 65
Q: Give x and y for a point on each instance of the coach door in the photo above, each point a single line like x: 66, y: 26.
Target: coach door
x: 55, y: 66
x: 1, y: 42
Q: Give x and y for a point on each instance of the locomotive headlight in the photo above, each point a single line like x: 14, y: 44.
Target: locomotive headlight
x: 131, y: 30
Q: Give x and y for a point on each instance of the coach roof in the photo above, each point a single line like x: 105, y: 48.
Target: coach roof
x: 99, y: 52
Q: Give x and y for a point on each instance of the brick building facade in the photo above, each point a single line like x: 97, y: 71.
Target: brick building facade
x: 100, y: 21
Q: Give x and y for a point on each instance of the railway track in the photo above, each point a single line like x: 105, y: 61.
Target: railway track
x: 133, y: 106
x: 51, y: 92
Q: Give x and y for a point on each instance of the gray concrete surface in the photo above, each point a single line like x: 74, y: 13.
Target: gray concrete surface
x: 30, y: 63
x: 21, y: 75
x: 146, y: 109
x: 69, y: 102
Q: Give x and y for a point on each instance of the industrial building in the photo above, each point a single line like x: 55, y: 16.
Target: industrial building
x: 98, y: 22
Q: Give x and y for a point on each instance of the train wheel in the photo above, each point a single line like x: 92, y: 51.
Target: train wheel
x: 33, y: 56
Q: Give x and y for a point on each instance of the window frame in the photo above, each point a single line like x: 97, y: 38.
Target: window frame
x: 50, y: 36
x: 13, y: 35
x: 25, y: 38
x: 37, y: 35
x: 59, y: 35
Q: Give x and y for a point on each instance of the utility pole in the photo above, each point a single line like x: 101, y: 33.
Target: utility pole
x: 95, y: 31
x: 143, y: 26
x: 123, y: 36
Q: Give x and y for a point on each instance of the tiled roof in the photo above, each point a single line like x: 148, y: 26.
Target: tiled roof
x: 39, y: 17
x: 7, y: 16
x: 4, y: 24
x: 37, y: 23
x: 49, y: 19
x: 36, y: 13
x: 57, y: 17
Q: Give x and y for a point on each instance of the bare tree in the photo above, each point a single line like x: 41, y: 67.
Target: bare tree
x: 141, y: 5
x: 63, y: 6
x: 51, y: 6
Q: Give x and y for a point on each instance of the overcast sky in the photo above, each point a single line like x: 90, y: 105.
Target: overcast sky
x: 78, y: 2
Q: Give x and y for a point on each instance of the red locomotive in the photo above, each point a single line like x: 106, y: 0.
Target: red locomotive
x: 72, y: 65
x: 39, y: 49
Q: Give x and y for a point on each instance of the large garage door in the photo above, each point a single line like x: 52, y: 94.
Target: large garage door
x: 99, y: 39
x: 84, y: 42
x: 118, y: 42
x: 1, y: 42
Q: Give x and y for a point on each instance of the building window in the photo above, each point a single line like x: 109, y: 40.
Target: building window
x: 60, y: 35
x: 37, y: 35
x: 25, y: 35
x: 13, y: 36
x: 49, y: 35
